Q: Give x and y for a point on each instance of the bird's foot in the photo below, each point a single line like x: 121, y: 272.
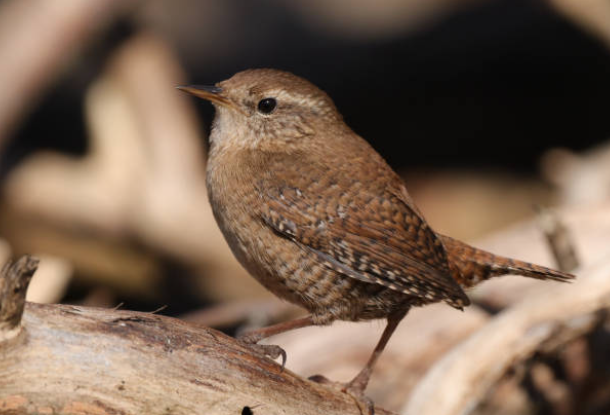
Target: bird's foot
x: 271, y: 351
x: 365, y: 404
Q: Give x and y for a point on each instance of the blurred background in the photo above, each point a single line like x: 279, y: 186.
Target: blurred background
x: 486, y: 107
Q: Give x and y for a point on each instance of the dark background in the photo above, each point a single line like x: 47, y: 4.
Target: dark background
x: 490, y: 85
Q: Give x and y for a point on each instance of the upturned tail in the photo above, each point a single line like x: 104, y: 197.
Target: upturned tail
x: 470, y: 266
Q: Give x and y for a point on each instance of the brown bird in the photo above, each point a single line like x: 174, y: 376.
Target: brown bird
x: 316, y: 215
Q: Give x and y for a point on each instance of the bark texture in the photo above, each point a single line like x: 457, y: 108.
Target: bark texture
x: 65, y: 359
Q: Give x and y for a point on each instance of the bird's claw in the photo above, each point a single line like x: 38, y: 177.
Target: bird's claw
x: 271, y: 351
x: 322, y: 380
x: 365, y: 404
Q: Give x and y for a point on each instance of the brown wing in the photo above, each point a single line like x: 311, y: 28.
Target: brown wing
x: 373, y: 236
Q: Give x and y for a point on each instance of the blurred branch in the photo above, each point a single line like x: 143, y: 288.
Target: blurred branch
x: 5, y: 251
x: 144, y: 177
x: 363, y: 19
x: 592, y: 15
x: 581, y: 178
x: 543, y: 321
x: 589, y: 226
x: 248, y: 314
x: 36, y: 38
x: 559, y: 240
x: 50, y: 281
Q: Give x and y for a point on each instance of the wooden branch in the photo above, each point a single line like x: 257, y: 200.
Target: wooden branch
x: 580, y: 178
x: 589, y: 226
x: 559, y: 240
x: 14, y: 282
x: 51, y: 281
x: 81, y: 360
x: 544, y: 320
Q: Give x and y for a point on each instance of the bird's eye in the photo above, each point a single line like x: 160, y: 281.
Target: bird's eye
x: 267, y: 105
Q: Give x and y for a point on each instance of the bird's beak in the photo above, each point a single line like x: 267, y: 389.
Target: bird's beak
x: 210, y: 93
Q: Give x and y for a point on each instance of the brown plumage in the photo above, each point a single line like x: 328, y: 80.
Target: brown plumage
x: 470, y: 265
x: 320, y: 219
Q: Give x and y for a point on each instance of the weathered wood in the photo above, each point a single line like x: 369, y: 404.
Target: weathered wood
x: 78, y: 360
x: 14, y: 281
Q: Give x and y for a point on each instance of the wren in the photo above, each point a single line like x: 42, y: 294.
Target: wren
x: 318, y: 217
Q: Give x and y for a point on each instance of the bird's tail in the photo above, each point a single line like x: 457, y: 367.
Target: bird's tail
x: 470, y: 265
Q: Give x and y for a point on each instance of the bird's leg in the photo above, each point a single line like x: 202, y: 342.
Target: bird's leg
x: 254, y: 336
x: 251, y: 338
x: 356, y: 386
x: 359, y: 383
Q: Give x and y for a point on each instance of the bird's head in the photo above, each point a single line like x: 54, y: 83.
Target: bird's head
x: 267, y: 107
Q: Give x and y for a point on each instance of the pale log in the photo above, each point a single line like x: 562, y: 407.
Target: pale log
x: 63, y: 359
